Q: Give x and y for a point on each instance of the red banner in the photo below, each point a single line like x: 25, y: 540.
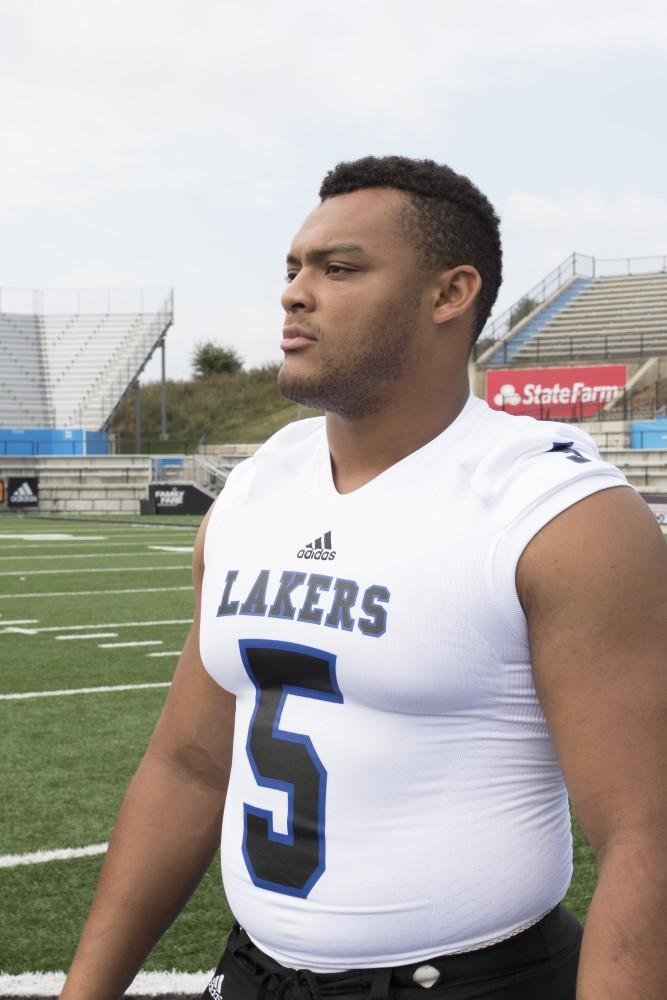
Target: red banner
x: 554, y: 393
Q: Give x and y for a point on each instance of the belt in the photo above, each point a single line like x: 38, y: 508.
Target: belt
x: 503, y: 957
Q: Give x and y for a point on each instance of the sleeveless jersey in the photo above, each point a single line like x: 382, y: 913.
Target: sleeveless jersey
x: 394, y: 792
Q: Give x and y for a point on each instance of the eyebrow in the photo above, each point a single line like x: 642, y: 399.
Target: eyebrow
x: 321, y: 253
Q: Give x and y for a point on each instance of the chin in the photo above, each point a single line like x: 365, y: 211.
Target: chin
x: 298, y: 388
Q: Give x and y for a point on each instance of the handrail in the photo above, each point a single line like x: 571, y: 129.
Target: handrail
x: 211, y: 469
x: 573, y: 265
x: 602, y: 266
x: 616, y: 347
x: 79, y: 301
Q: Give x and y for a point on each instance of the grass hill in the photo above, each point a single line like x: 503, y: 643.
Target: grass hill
x: 245, y: 407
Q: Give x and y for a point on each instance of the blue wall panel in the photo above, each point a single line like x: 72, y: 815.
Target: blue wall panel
x: 649, y: 434
x: 48, y: 441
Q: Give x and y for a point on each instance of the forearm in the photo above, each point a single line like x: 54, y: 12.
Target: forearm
x: 167, y: 832
x: 623, y: 953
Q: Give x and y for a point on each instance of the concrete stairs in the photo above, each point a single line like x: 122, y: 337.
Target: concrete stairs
x: 644, y: 469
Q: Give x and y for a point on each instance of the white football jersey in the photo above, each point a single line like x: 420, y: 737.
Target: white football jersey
x: 394, y: 792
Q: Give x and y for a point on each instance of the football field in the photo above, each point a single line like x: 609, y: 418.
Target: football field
x: 92, y: 618
x: 93, y: 615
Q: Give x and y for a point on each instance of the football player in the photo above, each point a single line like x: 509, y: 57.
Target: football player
x: 420, y: 624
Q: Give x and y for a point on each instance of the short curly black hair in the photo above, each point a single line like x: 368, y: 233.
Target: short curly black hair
x: 450, y: 221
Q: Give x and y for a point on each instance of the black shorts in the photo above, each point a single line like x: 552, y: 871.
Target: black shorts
x: 540, y: 963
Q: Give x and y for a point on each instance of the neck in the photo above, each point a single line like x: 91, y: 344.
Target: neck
x: 362, y: 448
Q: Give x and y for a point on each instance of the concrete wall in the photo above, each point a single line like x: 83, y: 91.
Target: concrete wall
x: 84, y: 485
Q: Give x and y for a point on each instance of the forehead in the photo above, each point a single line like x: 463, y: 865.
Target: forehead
x: 369, y: 218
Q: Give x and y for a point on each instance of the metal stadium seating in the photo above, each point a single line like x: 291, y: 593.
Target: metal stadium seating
x: 70, y: 369
x: 613, y: 317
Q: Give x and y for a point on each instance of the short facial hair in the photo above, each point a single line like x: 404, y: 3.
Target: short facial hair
x: 359, y: 383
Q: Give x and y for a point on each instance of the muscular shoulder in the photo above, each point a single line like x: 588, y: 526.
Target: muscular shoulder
x: 521, y: 462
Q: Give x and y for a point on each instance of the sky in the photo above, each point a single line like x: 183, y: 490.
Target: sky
x: 182, y: 142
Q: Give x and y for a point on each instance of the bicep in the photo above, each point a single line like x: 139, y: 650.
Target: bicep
x: 196, y: 728
x: 594, y: 586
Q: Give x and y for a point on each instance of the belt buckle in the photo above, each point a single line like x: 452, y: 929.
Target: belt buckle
x: 426, y: 976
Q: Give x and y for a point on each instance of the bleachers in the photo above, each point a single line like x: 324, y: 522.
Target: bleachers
x: 22, y: 373
x: 646, y: 470
x: 612, y: 318
x: 70, y: 369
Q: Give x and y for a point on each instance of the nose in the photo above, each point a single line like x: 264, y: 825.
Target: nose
x: 298, y: 294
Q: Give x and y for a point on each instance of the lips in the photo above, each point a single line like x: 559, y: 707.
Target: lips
x: 295, y: 337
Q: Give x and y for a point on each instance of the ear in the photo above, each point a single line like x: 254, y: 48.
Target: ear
x: 455, y: 292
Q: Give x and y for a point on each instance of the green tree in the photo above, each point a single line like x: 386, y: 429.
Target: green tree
x: 209, y: 358
x: 522, y: 309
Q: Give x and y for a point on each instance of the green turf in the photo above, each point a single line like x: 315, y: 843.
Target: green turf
x: 44, y: 909
x: 585, y: 875
x: 43, y: 662
x: 41, y: 522
x: 67, y: 760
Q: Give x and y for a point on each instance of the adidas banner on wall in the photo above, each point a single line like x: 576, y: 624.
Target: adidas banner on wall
x: 23, y: 491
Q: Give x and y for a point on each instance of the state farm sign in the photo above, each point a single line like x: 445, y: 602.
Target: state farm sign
x: 552, y: 393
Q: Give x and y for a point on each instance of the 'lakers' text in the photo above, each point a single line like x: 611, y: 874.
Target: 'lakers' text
x: 308, y: 597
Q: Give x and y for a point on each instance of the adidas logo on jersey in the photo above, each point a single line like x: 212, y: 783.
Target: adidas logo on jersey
x: 321, y: 548
x: 23, y: 494
x: 215, y: 986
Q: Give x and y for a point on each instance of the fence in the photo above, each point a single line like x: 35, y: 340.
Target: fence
x: 191, y: 468
x: 569, y: 349
x: 127, y: 445
x: 78, y: 301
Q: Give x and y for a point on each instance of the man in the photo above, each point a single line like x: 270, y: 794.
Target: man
x: 414, y: 617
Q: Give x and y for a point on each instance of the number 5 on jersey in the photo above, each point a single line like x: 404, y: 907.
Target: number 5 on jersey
x: 293, y: 862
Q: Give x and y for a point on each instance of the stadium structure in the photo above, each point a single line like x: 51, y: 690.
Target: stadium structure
x: 588, y: 344
x: 67, y: 360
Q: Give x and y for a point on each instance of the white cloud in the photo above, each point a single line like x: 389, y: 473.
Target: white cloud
x: 180, y: 141
x: 628, y: 224
x: 541, y: 231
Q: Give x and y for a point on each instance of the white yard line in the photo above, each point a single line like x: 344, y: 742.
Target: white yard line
x: 123, y: 645
x: 102, y: 555
x: 18, y: 621
x: 50, y: 984
x: 83, y: 628
x: 26, y: 695
x: 64, y: 854
x: 89, y: 635
x: 73, y: 542
x: 93, y: 593
x: 175, y: 652
x: 47, y: 536
x: 100, y: 569
x: 171, y: 548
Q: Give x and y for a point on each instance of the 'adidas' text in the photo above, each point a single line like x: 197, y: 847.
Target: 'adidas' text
x: 321, y: 549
